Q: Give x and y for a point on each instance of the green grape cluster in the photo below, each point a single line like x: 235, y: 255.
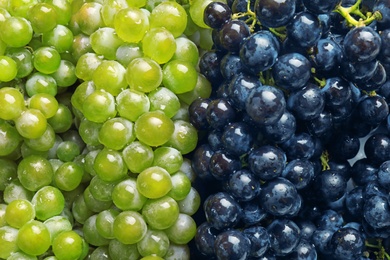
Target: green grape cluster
x: 94, y: 128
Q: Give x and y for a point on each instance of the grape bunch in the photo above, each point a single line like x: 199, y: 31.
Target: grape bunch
x: 94, y: 128
x: 294, y: 148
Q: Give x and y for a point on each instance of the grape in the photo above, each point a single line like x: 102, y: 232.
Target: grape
x: 43, y: 17
x: 160, y: 213
x: 104, y: 41
x: 99, y: 106
x: 19, y: 212
x: 45, y: 103
x: 8, y: 172
x: 144, y: 74
x: 15, y: 190
x: 57, y: 225
x: 170, y: 15
x: 68, y: 176
x: 110, y: 76
x: 41, y: 83
x: 16, y: 31
x: 67, y: 245
x: 131, y: 104
x: 183, y: 230
x: 109, y: 165
x: 91, y: 234
x: 65, y: 75
x: 154, y: 182
x: 155, y: 242
x: 164, y: 100
x: 35, y: 172
x: 12, y: 103
x: 8, y: 238
x: 120, y: 251
x: 131, y: 24
x: 129, y: 227
x: 126, y: 195
x: 8, y: 68
x: 159, y: 44
x: 33, y: 238
x: 186, y: 50
x: 46, y: 60
x: 62, y: 120
x: 86, y: 65
x: 179, y: 76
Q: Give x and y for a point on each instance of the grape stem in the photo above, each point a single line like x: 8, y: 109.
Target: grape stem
x: 252, y: 20
x: 324, y: 160
x: 354, y: 9
x: 381, y: 253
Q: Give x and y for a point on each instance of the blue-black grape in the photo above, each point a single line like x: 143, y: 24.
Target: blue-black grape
x: 305, y: 29
x: 216, y: 14
x: 377, y: 148
x: 305, y: 250
x: 299, y: 146
x: 330, y: 220
x: 267, y: 162
x: 347, y: 243
x: 307, y: 228
x: 363, y: 172
x: 331, y: 185
x: 326, y: 56
x: 232, y: 244
x: 284, y: 236
x: 252, y: 212
x: 354, y: 202
x: 373, y: 110
x: 205, y: 237
x: 232, y: 34
x: 321, y: 240
x: 222, y: 165
x: 260, y: 240
x: 376, y: 212
x: 273, y: 13
x: 320, y: 6
x: 240, y: 87
x: 231, y: 66
x: 300, y: 172
x: 384, y: 175
x: 243, y: 185
x: 197, y: 113
x: 237, y: 138
x: 201, y: 161
x: 220, y: 113
x: 282, y: 130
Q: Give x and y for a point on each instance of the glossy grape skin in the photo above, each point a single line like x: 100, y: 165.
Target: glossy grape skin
x: 155, y: 242
x: 216, y: 14
x: 362, y: 44
x: 8, y: 237
x: 90, y: 233
x: 138, y: 156
x: 259, y: 51
x: 132, y: 103
x: 46, y: 60
x: 109, y: 165
x: 347, y: 243
x: 68, y: 245
x: 120, y: 251
x: 209, y: 66
x: 154, y: 182
x: 299, y: 146
x: 110, y: 76
x: 232, y: 244
x: 376, y: 148
x: 304, y: 250
x: 300, y: 172
x: 267, y: 162
x: 160, y: 213
x: 265, y: 105
x: 232, y: 34
x: 43, y: 17
x: 237, y: 138
x: 371, y: 112
x: 184, y: 137
x: 172, y: 16
x: 116, y: 133
x: 12, y: 103
x: 327, y: 55
x: 8, y: 68
x: 273, y: 13
x: 305, y: 29
x: 48, y: 201
x: 284, y: 236
x: 33, y: 231
x: 383, y: 7
x: 35, y: 172
x: 16, y: 32
x: 222, y: 165
x: 18, y: 212
x: 282, y: 130
x: 201, y: 161
x: 162, y: 50
x: 240, y: 87
x: 363, y: 172
x: 259, y: 238
x: 99, y: 106
x: 205, y: 237
x: 197, y: 113
x: 376, y: 212
x: 86, y: 65
x: 179, y: 76
x: 219, y: 113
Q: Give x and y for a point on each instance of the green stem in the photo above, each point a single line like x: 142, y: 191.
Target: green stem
x: 324, y: 160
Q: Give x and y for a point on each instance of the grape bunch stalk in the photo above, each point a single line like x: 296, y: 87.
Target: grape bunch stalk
x: 294, y: 151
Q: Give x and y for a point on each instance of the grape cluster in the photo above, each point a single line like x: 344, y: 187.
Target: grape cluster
x: 94, y: 128
x: 295, y: 143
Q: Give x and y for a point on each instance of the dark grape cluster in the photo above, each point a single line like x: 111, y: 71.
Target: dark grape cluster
x: 294, y: 150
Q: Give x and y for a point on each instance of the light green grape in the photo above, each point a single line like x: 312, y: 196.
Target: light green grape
x: 160, y: 213
x: 154, y: 182
x: 16, y: 31
x: 154, y: 128
x: 21, y: 256
x: 202, y: 90
x: 15, y: 190
x: 94, y: 204
x: 35, y: 172
x: 155, y: 242
x: 138, y: 156
x: 144, y: 74
x: 10, y: 138
x: 89, y: 131
x: 99, y: 106
x: 68, y: 245
x: 11, y: 103
x: 60, y: 37
x: 100, y: 253
x: 116, y: 133
x: 126, y: 196
x: 197, y: 10
x: 110, y: 76
x: 105, y: 41
x: 20, y: 7
x: 19, y: 212
x: 131, y: 24
x: 57, y: 225
x: 164, y: 100
x: 105, y: 223
x: 127, y: 52
x: 109, y: 165
x: 86, y: 65
x: 89, y: 17
x: 8, y: 172
x: 109, y: 10
x: 41, y: 83
x: 101, y: 190
x: 43, y: 17
x: 184, y: 137
x: 63, y: 8
x: 129, y: 227
x: 48, y: 201
x: 131, y: 104
x: 80, y: 210
x: 168, y: 158
x: 91, y: 235
x: 67, y: 151
x: 81, y: 93
x: 183, y: 230
x: 8, y: 69
x: 120, y: 251
x: 181, y: 186
x: 179, y: 76
x: 23, y: 59
x: 178, y: 252
x: 62, y: 120
x: 33, y: 238
x: 65, y: 75
x: 8, y: 237
x: 186, y: 50
x: 45, y: 103
x: 159, y: 44
x: 68, y: 176
x: 191, y: 203
x: 170, y: 15
x: 46, y: 60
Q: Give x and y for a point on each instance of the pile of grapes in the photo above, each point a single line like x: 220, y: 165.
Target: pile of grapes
x: 194, y: 129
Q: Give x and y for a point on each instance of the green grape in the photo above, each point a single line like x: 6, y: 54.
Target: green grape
x: 91, y: 234
x: 57, y: 225
x: 19, y: 212
x: 62, y: 120
x: 116, y: 133
x: 3, y: 222
x: 4, y: 14
x: 20, y: 7
x: 89, y: 131
x: 109, y: 165
x: 155, y: 242
x: 67, y: 245
x: 131, y: 24
x: 43, y: 143
x: 74, y: 136
x: 27, y: 151
x: 160, y: 213
x: 170, y: 15
x: 182, y: 113
x: 99, y: 106
x: 86, y: 65
x: 100, y: 253
x: 105, y: 223
x: 8, y: 172
x: 23, y: 59
x: 154, y: 182
x: 137, y: 156
x: 11, y: 103
x: 43, y: 17
x: 65, y: 75
x: 41, y: 83
x: 67, y: 151
x: 101, y: 190
x: 8, y: 237
x: 15, y: 190
x: 45, y: 103
x: 131, y: 104
x: 152, y: 257
x: 89, y: 161
x: 48, y: 201
x: 60, y: 38
x: 94, y: 204
x: 144, y: 74
x: 52, y: 153
x: 186, y: 50
x: 81, y: 45
x: 179, y: 76
x: 129, y: 227
x: 55, y: 163
x: 202, y: 90
x: 191, y: 203
x: 80, y: 210
x: 205, y: 39
x: 21, y: 256
x: 89, y: 17
x: 126, y: 196
x: 127, y: 52
x: 63, y: 8
x: 68, y: 176
x: 109, y: 10
x: 110, y: 76
x: 178, y: 252
x: 81, y: 93
x: 120, y: 251
x: 33, y: 238
x: 10, y: 138
x: 8, y: 69
x: 168, y: 158
x: 183, y: 230
x: 184, y: 137
x: 197, y: 10
x: 154, y: 128
x: 35, y: 172
x: 164, y: 100
x: 46, y: 60
x: 105, y: 41
x: 137, y: 3
x: 151, y: 4
x: 159, y: 45
x: 16, y: 31
x: 181, y: 186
